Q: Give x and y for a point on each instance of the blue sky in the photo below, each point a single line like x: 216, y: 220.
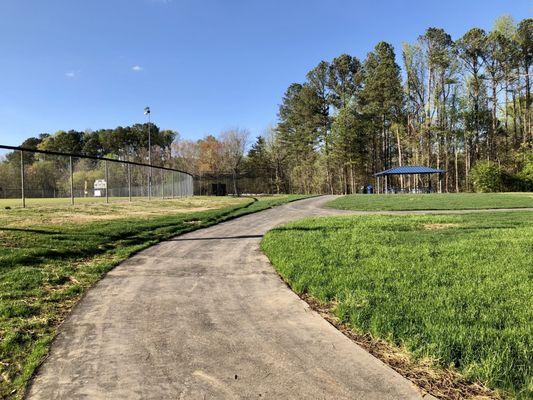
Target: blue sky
x: 202, y: 66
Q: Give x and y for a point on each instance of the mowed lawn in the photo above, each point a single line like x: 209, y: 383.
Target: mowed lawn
x: 434, y: 201
x: 455, y: 288
x: 50, y: 255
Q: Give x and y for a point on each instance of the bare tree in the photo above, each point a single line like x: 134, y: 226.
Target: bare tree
x: 187, y: 155
x: 234, y: 143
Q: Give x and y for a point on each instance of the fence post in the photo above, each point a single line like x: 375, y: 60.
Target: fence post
x: 162, y: 183
x: 150, y: 182
x: 71, y: 181
x: 22, y: 194
x: 106, y: 182
x: 129, y: 182
x: 173, y: 173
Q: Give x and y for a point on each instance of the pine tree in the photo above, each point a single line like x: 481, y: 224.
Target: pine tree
x: 382, y: 99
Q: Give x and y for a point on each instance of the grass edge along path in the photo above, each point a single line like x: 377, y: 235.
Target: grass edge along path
x: 442, y: 383
x: 32, y: 345
x: 413, y: 303
x: 433, y: 201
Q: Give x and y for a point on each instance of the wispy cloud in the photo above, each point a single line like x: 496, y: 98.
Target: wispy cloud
x: 71, y: 74
x: 137, y: 68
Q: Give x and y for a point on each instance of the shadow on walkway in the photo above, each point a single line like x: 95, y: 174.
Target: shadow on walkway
x: 218, y: 238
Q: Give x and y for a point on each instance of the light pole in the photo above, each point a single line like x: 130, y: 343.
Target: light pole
x: 147, y: 112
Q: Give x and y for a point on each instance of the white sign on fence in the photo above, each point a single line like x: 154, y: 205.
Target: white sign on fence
x: 100, y: 184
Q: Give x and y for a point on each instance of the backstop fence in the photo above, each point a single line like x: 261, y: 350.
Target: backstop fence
x: 241, y: 183
x: 27, y: 174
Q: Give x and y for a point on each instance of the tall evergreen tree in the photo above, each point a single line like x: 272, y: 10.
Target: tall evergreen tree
x: 472, y: 51
x: 524, y: 39
x: 317, y: 80
x: 382, y: 99
x: 345, y: 79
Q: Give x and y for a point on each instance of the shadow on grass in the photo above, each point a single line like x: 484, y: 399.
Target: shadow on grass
x: 41, y: 231
x: 76, y: 243
x: 308, y: 229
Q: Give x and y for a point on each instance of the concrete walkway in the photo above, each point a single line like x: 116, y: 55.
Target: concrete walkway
x: 205, y: 316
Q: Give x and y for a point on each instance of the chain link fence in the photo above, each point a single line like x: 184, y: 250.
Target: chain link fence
x: 222, y: 184
x: 37, y: 177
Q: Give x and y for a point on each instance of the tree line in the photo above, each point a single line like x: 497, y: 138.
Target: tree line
x: 48, y: 175
x: 461, y: 105
x: 124, y: 143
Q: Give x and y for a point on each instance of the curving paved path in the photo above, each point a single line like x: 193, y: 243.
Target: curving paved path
x: 205, y: 316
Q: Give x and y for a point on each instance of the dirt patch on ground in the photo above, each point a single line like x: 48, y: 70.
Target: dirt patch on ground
x: 433, y: 227
x: 7, y: 240
x: 438, y: 382
x: 86, y: 213
x: 83, y: 218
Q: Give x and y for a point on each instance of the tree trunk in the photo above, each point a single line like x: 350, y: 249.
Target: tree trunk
x: 468, y: 147
x: 494, y: 125
x: 528, y: 102
x: 384, y: 143
x: 456, y: 165
x: 428, y: 116
x: 345, y: 179
x: 506, y: 105
x: 400, y: 161
x: 476, y: 110
x: 447, y: 163
x: 515, y: 128
x: 439, y: 187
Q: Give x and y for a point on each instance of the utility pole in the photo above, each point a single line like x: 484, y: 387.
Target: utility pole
x: 147, y: 112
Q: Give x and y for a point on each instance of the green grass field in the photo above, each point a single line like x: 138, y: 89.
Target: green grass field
x: 455, y: 288
x: 50, y: 255
x: 447, y: 201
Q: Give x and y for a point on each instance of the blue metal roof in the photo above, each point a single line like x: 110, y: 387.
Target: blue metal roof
x: 410, y: 169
